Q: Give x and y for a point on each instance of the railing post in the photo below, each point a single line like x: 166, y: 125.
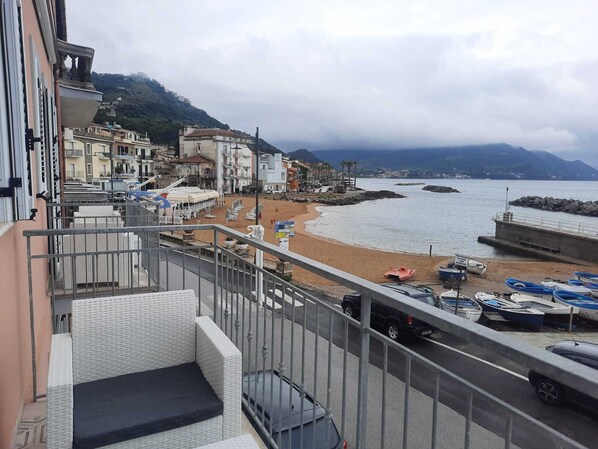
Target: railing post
x: 364, y: 362
x: 215, y: 275
x: 31, y: 320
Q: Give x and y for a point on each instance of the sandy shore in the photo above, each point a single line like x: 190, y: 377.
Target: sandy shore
x: 371, y: 264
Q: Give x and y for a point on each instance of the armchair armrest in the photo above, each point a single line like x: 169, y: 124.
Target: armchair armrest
x: 60, y: 393
x: 221, y: 364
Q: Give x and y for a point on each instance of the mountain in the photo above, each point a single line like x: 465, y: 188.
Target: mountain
x: 142, y: 104
x: 495, y: 161
x: 303, y: 155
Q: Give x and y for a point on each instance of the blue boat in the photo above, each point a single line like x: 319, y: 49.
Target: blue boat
x: 588, y: 307
x: 514, y: 313
x: 592, y: 286
x: 584, y: 276
x: 528, y: 288
x: 446, y: 273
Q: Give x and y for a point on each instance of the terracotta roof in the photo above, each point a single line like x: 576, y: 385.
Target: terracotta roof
x: 214, y: 132
x: 194, y: 160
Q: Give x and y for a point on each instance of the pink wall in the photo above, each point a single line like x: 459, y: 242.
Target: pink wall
x: 15, y: 333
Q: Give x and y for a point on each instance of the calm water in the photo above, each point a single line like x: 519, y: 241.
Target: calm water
x: 450, y: 222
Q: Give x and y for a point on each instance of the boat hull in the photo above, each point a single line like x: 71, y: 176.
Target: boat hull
x: 529, y: 288
x: 588, y: 307
x: 466, y: 307
x: 555, y: 313
x: 445, y: 273
x: 519, y: 317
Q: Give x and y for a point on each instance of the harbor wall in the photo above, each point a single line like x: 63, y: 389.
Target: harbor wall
x: 548, y: 240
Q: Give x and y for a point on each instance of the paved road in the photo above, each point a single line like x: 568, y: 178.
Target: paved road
x: 494, y: 374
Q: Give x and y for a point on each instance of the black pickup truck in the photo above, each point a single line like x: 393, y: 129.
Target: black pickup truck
x: 390, y: 320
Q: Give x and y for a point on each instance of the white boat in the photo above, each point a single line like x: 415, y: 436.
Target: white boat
x: 555, y: 313
x: 465, y: 307
x: 510, y: 311
x: 579, y: 289
x: 475, y: 267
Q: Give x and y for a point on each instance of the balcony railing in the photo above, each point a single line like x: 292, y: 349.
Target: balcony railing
x: 81, y: 62
x: 76, y: 174
x: 379, y: 393
x: 73, y: 153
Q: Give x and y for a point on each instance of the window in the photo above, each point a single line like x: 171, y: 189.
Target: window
x: 88, y: 148
x: 89, y: 169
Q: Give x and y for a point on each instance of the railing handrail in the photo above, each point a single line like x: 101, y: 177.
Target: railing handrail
x: 553, y: 366
x: 570, y: 227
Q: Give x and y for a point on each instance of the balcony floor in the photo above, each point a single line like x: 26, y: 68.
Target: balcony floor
x: 32, y: 428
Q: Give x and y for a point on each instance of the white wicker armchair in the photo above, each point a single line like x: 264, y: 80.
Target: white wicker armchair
x: 117, y: 336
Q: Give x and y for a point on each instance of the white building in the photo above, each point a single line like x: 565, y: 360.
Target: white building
x: 228, y: 150
x: 272, y: 174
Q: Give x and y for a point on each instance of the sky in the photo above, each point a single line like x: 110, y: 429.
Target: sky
x: 379, y: 74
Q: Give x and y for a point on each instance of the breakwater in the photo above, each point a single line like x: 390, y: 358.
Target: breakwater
x: 570, y: 206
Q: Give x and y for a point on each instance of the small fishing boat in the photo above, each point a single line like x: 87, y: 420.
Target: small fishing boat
x: 588, y: 307
x: 462, y: 306
x: 446, y: 273
x: 515, y: 313
x: 555, y: 313
x: 579, y: 289
x: 592, y: 286
x: 400, y: 273
x: 584, y: 276
x: 529, y: 288
x: 475, y: 267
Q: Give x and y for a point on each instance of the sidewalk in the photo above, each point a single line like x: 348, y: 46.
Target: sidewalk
x: 543, y: 339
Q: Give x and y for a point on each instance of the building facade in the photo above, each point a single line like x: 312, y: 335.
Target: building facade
x: 107, y: 156
x: 272, y: 173
x: 227, y: 150
x: 34, y: 81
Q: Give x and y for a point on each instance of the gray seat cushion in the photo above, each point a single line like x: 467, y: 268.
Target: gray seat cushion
x: 121, y: 408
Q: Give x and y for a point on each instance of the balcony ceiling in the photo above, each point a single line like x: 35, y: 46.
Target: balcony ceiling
x: 78, y: 106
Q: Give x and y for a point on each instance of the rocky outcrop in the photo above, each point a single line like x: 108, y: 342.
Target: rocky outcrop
x: 352, y: 198
x: 440, y: 189
x: 570, y: 206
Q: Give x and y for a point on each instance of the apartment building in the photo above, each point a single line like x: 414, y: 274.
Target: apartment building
x: 272, y: 173
x: 108, y: 154
x: 228, y: 151
x: 32, y: 169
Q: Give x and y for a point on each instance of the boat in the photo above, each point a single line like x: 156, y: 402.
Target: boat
x: 446, y: 273
x: 400, y: 273
x: 514, y: 313
x: 555, y: 285
x: 592, y: 286
x: 584, y: 276
x: 555, y: 313
x: 475, y: 267
x: 588, y: 307
x: 529, y: 288
x: 463, y: 306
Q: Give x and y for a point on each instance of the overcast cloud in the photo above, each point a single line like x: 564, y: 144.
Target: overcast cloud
x: 376, y: 74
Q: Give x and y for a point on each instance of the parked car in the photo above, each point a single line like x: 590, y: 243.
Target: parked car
x: 269, y: 395
x: 553, y: 392
x: 391, y: 320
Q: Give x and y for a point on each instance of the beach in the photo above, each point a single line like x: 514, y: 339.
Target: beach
x: 368, y: 263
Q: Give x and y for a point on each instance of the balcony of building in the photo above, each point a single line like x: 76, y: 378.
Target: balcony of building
x: 75, y: 175
x: 79, y: 99
x: 124, y: 156
x: 376, y: 392
x: 73, y: 153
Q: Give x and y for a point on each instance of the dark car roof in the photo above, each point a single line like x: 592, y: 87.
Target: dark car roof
x: 579, y: 347
x: 408, y: 290
x: 267, y: 396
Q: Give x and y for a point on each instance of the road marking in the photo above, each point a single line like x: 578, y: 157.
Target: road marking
x: 501, y: 368
x: 269, y: 302
x: 287, y: 298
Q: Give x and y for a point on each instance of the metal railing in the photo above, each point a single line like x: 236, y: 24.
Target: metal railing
x: 568, y: 227
x: 73, y: 153
x: 377, y: 392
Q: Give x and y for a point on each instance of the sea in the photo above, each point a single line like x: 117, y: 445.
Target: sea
x: 449, y: 223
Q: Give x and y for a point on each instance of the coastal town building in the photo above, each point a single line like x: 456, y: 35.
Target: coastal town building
x: 38, y: 96
x: 199, y: 171
x: 272, y: 173
x: 107, y: 155
x: 226, y: 149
